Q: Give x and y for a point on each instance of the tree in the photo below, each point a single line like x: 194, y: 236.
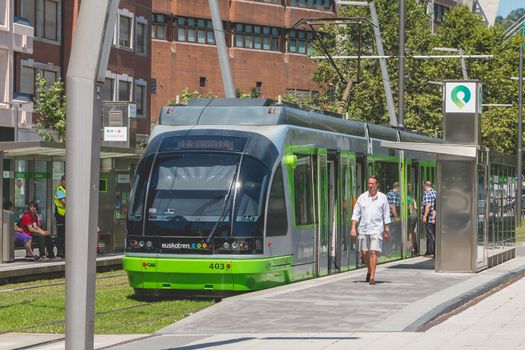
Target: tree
x: 512, y: 17
x: 460, y: 29
x: 50, y: 103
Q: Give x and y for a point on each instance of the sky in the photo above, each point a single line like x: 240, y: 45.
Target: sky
x: 506, y: 6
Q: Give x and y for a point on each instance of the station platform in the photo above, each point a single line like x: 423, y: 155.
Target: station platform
x: 22, y: 270
x: 402, y: 311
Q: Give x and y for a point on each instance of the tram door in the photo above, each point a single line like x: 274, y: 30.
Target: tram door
x: 345, y: 196
x: 335, y: 212
x: 323, y: 227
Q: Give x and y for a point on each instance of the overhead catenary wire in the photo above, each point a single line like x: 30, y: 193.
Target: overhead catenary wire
x: 421, y: 57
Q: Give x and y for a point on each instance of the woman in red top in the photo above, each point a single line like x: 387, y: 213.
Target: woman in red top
x: 30, y: 224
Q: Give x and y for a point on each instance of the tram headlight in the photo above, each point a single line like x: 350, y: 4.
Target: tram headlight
x: 226, y: 245
x: 141, y: 244
x: 235, y: 245
x: 149, y: 244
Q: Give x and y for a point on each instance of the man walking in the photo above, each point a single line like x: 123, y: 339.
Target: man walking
x: 60, y: 215
x: 373, y: 213
x: 429, y: 217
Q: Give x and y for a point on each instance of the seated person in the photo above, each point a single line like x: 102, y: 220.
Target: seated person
x: 30, y: 224
x: 22, y: 237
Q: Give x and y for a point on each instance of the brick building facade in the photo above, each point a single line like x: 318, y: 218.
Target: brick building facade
x: 266, y: 54
x: 129, y: 68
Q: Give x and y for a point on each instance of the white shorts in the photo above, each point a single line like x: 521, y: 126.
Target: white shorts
x: 370, y: 242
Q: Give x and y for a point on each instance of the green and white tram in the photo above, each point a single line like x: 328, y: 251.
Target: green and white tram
x: 238, y: 195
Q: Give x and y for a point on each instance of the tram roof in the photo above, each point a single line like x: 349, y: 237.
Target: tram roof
x: 260, y: 111
x: 55, y: 149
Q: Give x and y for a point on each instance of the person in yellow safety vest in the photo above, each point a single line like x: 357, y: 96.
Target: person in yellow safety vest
x: 60, y: 215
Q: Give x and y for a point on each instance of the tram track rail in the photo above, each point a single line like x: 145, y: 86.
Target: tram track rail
x: 55, y: 284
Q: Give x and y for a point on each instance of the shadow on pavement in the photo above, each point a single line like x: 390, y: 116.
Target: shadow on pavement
x: 424, y: 265
x: 215, y: 343
x: 238, y: 340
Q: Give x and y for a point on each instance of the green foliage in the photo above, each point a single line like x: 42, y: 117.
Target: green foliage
x: 252, y: 93
x: 460, y: 29
x: 512, y: 17
x: 116, y: 311
x: 50, y: 102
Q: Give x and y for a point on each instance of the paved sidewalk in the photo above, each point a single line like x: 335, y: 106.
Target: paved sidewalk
x: 342, y: 311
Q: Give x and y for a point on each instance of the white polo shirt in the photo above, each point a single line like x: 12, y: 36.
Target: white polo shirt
x: 373, y: 213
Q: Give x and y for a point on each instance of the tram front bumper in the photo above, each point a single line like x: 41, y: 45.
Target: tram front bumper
x: 207, y: 274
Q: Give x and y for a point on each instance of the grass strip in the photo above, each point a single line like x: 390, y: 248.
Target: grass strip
x: 38, y: 307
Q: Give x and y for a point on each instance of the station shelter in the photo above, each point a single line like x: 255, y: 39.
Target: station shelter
x: 32, y: 170
x: 476, y: 187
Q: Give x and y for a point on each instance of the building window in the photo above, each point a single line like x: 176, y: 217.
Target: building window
x: 108, y: 89
x: 124, y: 90
x: 140, y: 96
x: 439, y: 12
x: 312, y: 4
x: 124, y: 39
x: 27, y: 80
x: 50, y: 77
x: 50, y: 20
x: 257, y: 37
x: 28, y: 10
x: 300, y: 42
x: 45, y: 17
x: 195, y: 30
x: 141, y: 32
x: 29, y: 69
x: 153, y: 86
x: 158, y: 27
x: 139, y: 99
x: 258, y: 87
x: 202, y: 82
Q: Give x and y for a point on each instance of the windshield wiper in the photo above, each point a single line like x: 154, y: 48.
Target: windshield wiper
x: 227, y: 199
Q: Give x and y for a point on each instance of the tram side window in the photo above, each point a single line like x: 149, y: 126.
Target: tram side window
x: 138, y: 192
x: 277, y: 222
x: 303, y: 189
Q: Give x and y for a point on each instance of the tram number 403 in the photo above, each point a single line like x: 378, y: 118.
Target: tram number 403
x: 219, y: 266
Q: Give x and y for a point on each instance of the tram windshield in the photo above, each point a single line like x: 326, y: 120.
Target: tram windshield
x: 203, y: 194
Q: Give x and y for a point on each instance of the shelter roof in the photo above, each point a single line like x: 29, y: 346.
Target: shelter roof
x: 50, y: 149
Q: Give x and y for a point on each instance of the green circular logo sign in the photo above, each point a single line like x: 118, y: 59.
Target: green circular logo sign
x: 460, y: 101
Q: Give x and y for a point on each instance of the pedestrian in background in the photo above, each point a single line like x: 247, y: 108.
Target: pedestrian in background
x: 373, y: 213
x: 60, y: 216
x: 31, y: 225
x: 394, y: 201
x: 429, y: 217
x: 20, y: 235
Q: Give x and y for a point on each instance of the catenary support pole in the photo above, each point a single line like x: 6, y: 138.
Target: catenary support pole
x: 520, y: 136
x: 87, y: 66
x: 401, y: 78
x: 222, y: 51
x: 382, y: 63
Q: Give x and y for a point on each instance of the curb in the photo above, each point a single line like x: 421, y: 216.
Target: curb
x: 464, y: 298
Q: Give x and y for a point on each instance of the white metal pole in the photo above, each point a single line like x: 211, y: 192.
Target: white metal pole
x: 87, y: 65
x: 222, y: 51
x: 15, y: 110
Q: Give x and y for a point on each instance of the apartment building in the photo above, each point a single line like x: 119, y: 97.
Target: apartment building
x: 16, y: 36
x: 267, y: 53
x: 129, y: 68
x: 487, y: 9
